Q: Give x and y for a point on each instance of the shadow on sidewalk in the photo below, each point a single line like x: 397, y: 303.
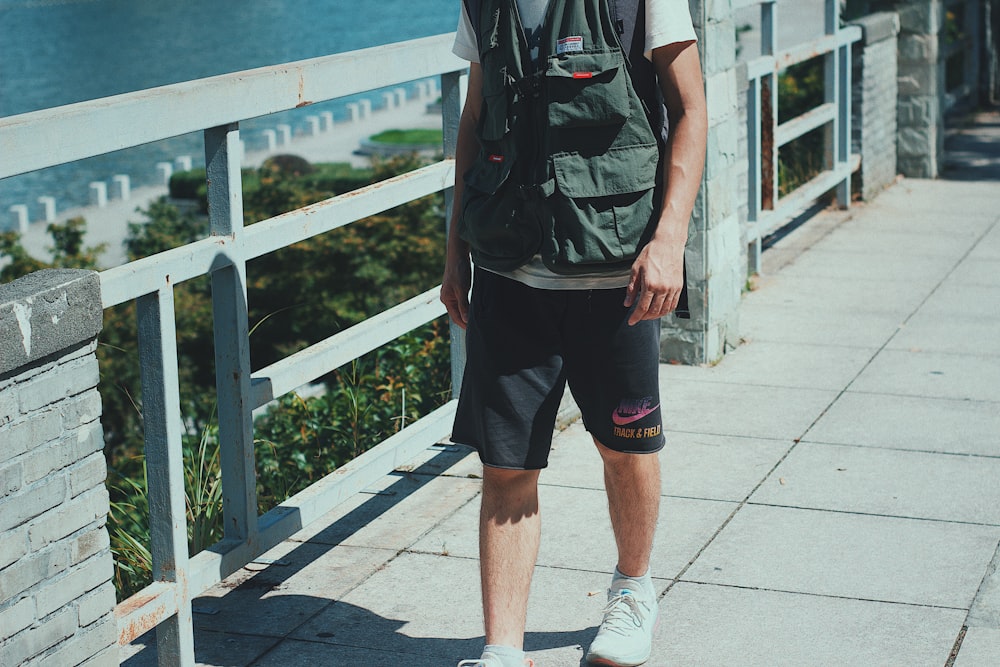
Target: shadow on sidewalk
x: 972, y: 147
x: 260, y: 616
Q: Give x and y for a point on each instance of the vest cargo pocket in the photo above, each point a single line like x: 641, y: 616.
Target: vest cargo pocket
x: 602, y: 206
x: 500, y: 232
x: 586, y: 89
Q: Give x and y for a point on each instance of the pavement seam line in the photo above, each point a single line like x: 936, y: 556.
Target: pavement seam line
x: 873, y: 514
x: 828, y: 596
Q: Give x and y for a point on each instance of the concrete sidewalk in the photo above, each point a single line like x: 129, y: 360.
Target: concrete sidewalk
x: 830, y: 491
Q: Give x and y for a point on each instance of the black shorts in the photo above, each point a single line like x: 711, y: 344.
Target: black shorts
x: 523, y: 346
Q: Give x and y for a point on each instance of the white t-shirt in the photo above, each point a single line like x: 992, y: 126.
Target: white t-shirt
x: 667, y: 22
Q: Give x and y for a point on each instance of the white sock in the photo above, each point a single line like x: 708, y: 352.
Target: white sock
x: 509, y: 656
x: 642, y: 584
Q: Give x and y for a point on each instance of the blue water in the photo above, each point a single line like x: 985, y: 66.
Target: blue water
x: 56, y: 52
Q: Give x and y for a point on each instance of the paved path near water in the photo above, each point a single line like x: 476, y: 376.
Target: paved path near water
x: 830, y: 489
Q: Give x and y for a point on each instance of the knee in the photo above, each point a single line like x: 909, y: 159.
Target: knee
x: 512, y: 493
x: 621, y: 463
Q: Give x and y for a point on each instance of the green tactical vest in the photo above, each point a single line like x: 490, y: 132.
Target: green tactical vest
x: 568, y: 160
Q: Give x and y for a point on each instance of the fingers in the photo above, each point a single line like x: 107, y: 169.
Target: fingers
x: 457, y: 306
x: 631, y: 290
x: 653, y: 305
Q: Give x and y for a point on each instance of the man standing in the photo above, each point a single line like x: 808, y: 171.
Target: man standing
x: 573, y: 201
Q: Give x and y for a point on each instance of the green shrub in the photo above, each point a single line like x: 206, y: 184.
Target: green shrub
x: 188, y: 184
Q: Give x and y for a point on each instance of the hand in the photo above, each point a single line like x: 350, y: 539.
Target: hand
x: 656, y: 281
x: 455, y: 287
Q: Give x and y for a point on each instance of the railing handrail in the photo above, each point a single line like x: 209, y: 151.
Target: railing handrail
x: 49, y: 137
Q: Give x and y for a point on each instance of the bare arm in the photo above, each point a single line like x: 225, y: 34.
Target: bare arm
x: 658, y: 271
x: 457, y: 267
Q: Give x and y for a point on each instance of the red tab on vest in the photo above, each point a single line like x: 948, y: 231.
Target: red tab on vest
x: 583, y: 75
x: 495, y: 158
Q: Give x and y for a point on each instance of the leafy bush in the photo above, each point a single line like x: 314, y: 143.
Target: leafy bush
x: 801, y: 87
x: 188, y: 184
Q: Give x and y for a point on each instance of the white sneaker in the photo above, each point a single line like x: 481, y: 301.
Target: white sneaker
x: 625, y: 638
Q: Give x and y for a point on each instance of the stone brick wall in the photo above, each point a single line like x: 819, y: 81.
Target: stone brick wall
x: 874, y: 93
x: 56, y: 596
x: 716, y: 257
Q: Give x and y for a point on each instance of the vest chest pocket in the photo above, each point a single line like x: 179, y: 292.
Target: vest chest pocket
x: 585, y: 89
x: 603, y: 206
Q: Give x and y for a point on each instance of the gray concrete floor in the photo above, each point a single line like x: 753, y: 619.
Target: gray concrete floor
x: 830, y: 492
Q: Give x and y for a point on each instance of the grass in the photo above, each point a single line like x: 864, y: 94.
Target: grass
x: 414, y: 136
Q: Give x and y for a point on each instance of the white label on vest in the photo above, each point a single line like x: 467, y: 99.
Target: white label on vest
x: 569, y: 45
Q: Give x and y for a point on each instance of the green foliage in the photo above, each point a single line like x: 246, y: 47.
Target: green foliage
x: 67, y: 251
x: 188, y: 184
x: 128, y: 521
x: 304, y: 438
x: 800, y: 88
x: 415, y: 136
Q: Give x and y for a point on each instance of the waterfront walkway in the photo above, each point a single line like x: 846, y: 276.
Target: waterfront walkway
x: 830, y: 492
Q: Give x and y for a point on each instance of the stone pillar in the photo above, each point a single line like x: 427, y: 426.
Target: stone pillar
x: 920, y: 143
x: 716, y: 251
x: 57, y: 600
x: 874, y: 101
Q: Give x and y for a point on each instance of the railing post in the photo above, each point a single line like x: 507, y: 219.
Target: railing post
x: 921, y: 88
x: 161, y: 417
x: 451, y: 113
x: 754, y: 205
x: 837, y: 79
x: 232, y: 337
x: 769, y: 108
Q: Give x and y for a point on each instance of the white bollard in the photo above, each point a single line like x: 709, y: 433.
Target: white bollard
x: 354, y: 109
x: 425, y: 89
x: 400, y: 96
x: 327, y: 117
x: 313, y: 123
x: 164, y: 170
x: 271, y: 137
x: 366, y: 108
x: 285, y: 134
x: 432, y: 90
x: 98, y: 194
x: 390, y: 100
x: 243, y: 151
x: 121, y: 187
x: 183, y: 163
x: 48, y: 208
x: 19, y: 215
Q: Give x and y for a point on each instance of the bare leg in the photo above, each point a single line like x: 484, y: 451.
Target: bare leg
x: 633, y: 486
x: 509, y: 531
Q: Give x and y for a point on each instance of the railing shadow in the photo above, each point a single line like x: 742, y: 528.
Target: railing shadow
x: 254, y: 622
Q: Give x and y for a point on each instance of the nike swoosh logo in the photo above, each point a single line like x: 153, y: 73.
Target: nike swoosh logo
x: 620, y: 419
